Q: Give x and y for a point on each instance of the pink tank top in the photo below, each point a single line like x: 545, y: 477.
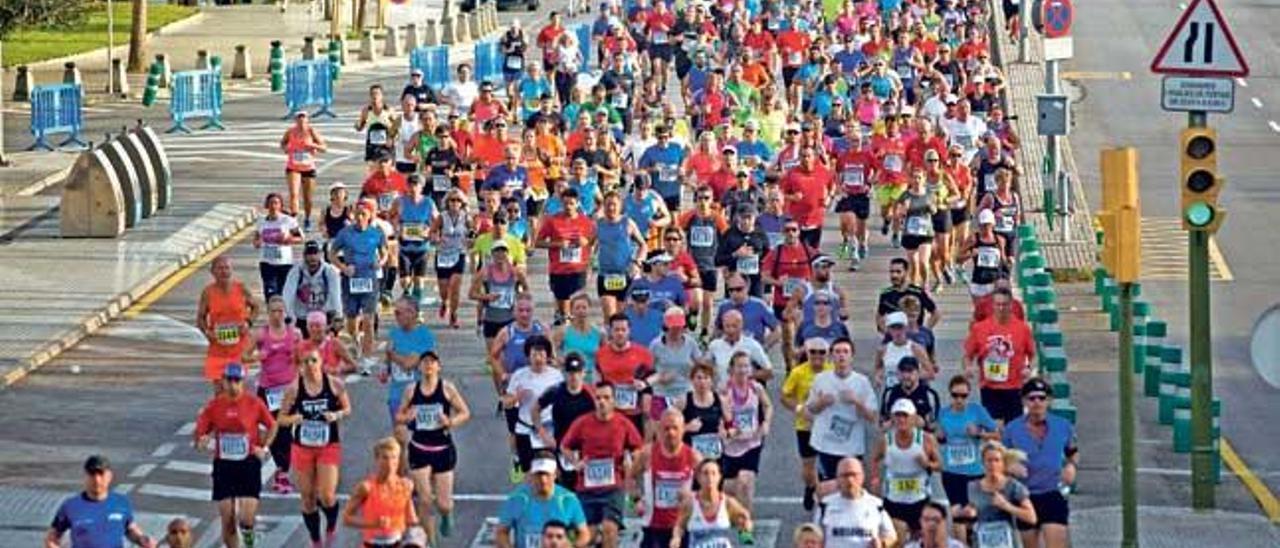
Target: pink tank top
x: 278, y: 352
x: 299, y: 157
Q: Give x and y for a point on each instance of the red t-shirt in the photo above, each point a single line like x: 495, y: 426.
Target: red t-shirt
x: 234, y: 423
x: 658, y: 26
x: 984, y: 308
x: 759, y: 42
x: 668, y: 475
x: 892, y: 153
x: 570, y: 259
x: 794, y: 47
x: 809, y: 209
x: 622, y: 368
x: 855, y: 169
x: 789, y: 262
x: 385, y: 188
x: 918, y: 146
x: 720, y: 182
x: 684, y: 263
x: 1002, y: 352
x: 547, y: 38
x: 602, y: 445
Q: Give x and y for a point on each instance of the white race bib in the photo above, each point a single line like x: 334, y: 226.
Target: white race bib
x: 625, y: 396
x: 745, y: 421
x: 666, y: 494
x: 702, y: 235
x: 841, y: 430
x: 377, y: 136
x: 427, y: 417
x: 440, y: 183
x: 515, y: 62
x: 795, y: 58
x: 599, y: 473
x: 400, y: 374
x: 274, y: 398
x: 571, y: 254
x: 361, y: 286
x: 386, y: 199
x: 995, y: 534
x: 660, y: 37
x: 448, y: 258
x: 708, y: 445
x: 619, y: 100
x: 791, y: 285
x: 960, y: 454
x: 854, y: 180
x: 277, y: 254
x: 668, y: 172
x: 893, y: 162
x: 313, y: 433
x: 988, y: 257
x: 919, y: 225
x: 749, y: 265
x: 301, y: 157
x: 506, y: 297
x: 233, y: 446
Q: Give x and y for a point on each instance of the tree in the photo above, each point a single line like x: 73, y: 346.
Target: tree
x: 138, y: 37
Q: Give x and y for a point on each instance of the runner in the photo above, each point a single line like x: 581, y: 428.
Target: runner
x: 823, y: 324
x: 662, y: 163
x: 665, y: 471
x: 410, y: 123
x: 795, y: 392
x: 995, y: 500
x: 462, y: 92
x: 939, y: 184
x: 223, y: 314
x: 230, y: 426
x: 787, y: 268
x: 313, y: 285
x: 338, y: 214
x: 432, y: 409
x: 710, y: 516
x: 705, y: 227
x: 986, y: 248
x: 564, y: 403
x: 275, y: 346
x: 359, y: 252
x: 674, y: 354
x: 626, y: 366
x: 312, y: 406
x: 897, y: 348
x: 891, y: 296
x: 598, y: 443
x: 751, y: 413
x: 506, y: 356
x: 1007, y: 206
x: 412, y: 215
x: 336, y: 358
x: 912, y: 387
x: 757, y: 315
x: 494, y: 287
x: 375, y: 121
x: 856, y: 168
x: 850, y: 516
x: 619, y: 261
x: 913, y: 214
x: 665, y: 289
x: 705, y: 415
x: 1049, y: 442
x: 381, y: 506
x: 535, y: 506
x: 450, y: 232
x: 999, y: 351
x: 733, y: 340
x: 806, y: 189
x: 906, y: 469
x: 97, y: 516
x: 842, y: 405
x: 570, y: 238
x: 300, y: 144
x: 275, y: 236
x: 441, y: 164
x: 407, y: 341
x: 524, y: 388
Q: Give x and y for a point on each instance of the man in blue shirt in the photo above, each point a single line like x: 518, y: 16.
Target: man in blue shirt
x: 646, y: 320
x: 664, y: 288
x: 531, y: 506
x: 662, y: 161
x: 408, y: 342
x: 758, y: 320
x: 97, y: 517
x: 1050, y: 444
x: 510, y: 179
x: 359, y: 252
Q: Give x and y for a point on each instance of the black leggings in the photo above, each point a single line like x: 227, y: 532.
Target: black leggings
x: 273, y: 276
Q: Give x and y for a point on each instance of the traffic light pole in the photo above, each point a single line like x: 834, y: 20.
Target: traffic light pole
x: 1128, y: 457
x: 1202, y: 448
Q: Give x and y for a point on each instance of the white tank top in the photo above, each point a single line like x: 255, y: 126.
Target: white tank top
x: 715, y: 532
x: 892, y: 355
x: 906, y: 482
x: 408, y: 128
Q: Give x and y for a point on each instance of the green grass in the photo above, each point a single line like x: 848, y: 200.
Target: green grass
x: 31, y: 45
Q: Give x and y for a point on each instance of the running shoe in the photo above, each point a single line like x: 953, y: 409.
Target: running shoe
x: 331, y: 538
x: 446, y: 525
x: 896, y: 240
x: 947, y: 275
x: 884, y: 228
x: 306, y: 224
x: 862, y: 252
x: 247, y: 537
x: 745, y: 537
x: 809, y: 493
x: 516, y: 475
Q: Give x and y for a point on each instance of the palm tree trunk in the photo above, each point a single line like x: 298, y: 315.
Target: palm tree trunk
x: 138, y: 37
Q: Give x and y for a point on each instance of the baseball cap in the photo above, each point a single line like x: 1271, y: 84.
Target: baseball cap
x: 96, y: 463
x: 904, y: 406
x: 659, y: 258
x: 745, y: 208
x: 751, y: 124
x: 896, y: 319
x: 542, y: 466
x: 311, y: 248
x: 728, y: 149
x: 816, y: 343
x: 673, y: 317
x: 821, y: 260
x: 639, y: 293
x: 793, y: 127
x: 415, y: 72
x: 908, y: 363
x: 486, y: 86
x: 931, y: 154
x: 743, y: 171
x: 233, y: 371
x: 500, y: 244
x: 1037, y: 386
x: 986, y: 217
x: 573, y: 362
x: 337, y: 185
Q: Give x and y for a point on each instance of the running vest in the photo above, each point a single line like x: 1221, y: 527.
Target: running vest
x: 919, y: 221
x: 986, y: 172
x: 415, y: 218
x: 615, y: 258
x: 314, y: 431
x: 703, y: 240
x: 513, y: 357
x: 665, y: 479
x: 906, y: 482
x: 313, y: 289
x: 278, y: 365
x: 428, y: 409
x: 986, y: 260
x: 408, y: 127
x: 892, y: 355
x: 706, y: 440
x: 453, y: 228
x: 386, y: 501
x: 502, y: 309
x: 710, y: 532
x: 1006, y: 214
x: 334, y: 224
x: 902, y: 64
x: 745, y: 414
x: 300, y: 158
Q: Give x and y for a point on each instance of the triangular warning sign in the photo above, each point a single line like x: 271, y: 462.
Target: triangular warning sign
x: 1201, y: 45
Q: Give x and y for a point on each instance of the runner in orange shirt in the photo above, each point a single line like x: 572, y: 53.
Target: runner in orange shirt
x: 223, y: 315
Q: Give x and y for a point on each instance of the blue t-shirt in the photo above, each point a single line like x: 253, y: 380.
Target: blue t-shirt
x: 645, y: 327
x: 407, y: 343
x: 94, y: 523
x: 850, y: 60
x: 757, y: 316
x: 359, y: 248
x: 961, y: 452
x: 1046, y: 457
x: 809, y: 329
x: 501, y: 176
x: 524, y: 514
x: 662, y: 293
x: 666, y: 181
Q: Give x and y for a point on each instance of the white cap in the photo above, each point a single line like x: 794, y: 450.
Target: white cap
x: 816, y: 343
x: 545, y: 466
x: 337, y: 185
x: 903, y: 405
x: 986, y: 217
x: 895, y: 318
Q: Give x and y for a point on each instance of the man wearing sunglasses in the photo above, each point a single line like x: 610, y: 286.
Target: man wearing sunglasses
x: 1050, y: 444
x: 998, y: 351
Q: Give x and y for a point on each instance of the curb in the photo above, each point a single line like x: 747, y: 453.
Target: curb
x: 117, y: 52
x: 47, y: 181
x: 118, y: 305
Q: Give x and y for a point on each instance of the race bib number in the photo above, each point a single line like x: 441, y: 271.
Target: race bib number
x: 448, y: 258
x: 1004, y: 221
x: 277, y: 254
x: 788, y: 165
x: 227, y: 334
x: 532, y: 539
x: 841, y: 430
x: 274, y: 397
x: 854, y: 180
x: 893, y: 162
x: 625, y: 396
x: 361, y: 286
x: 795, y: 58
x: 660, y: 37
x: 988, y: 257
x: 440, y: 183
x: 619, y: 100
x: 989, y: 182
x: 413, y: 232
x: 668, y: 172
x: 666, y: 494
x: 906, y: 488
x: 702, y: 236
x: 386, y: 199
x: 791, y: 285
x: 919, y: 225
x: 708, y: 445
x: 905, y: 71
x: 996, y: 368
x: 515, y: 62
x: 233, y: 446
x: 749, y: 265
x: 615, y: 282
x: 313, y: 433
x: 745, y: 421
x: 599, y: 473
x: 571, y: 254
x: 960, y: 454
x: 301, y: 157
x: 427, y: 417
x: 377, y: 136
x: 995, y: 534
x: 506, y: 297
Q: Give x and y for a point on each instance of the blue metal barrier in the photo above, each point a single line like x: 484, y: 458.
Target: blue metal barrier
x: 56, y: 109
x: 433, y: 61
x: 309, y: 83
x: 488, y: 62
x: 196, y: 94
x: 583, y: 34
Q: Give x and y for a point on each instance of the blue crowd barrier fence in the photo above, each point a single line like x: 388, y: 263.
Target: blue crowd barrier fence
x: 196, y: 94
x: 488, y: 62
x: 56, y: 108
x: 582, y: 32
x: 433, y: 61
x: 308, y: 84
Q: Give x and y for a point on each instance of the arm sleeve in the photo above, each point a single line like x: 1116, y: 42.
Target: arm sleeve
x: 290, y: 290
x: 335, y: 290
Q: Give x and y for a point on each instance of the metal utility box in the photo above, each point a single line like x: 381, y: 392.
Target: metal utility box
x: 1053, y: 114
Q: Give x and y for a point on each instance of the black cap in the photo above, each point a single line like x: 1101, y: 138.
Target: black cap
x: 640, y: 293
x: 96, y: 463
x: 311, y: 248
x: 908, y: 363
x: 1037, y: 385
x: 573, y: 362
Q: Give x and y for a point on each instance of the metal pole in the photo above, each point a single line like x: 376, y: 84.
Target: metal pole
x: 1024, y: 21
x: 4, y: 160
x: 1053, y: 86
x: 111, y: 45
x: 1128, y: 458
x: 1202, y: 480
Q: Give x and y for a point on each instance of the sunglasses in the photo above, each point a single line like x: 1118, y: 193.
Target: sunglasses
x: 673, y: 239
x: 704, y: 198
x: 792, y: 229
x: 960, y: 395
x: 738, y: 288
x: 818, y: 352
x: 821, y: 303
x: 1037, y: 397
x: 931, y: 160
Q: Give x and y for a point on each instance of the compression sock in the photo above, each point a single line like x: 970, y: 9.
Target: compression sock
x: 330, y: 516
x: 312, y: 521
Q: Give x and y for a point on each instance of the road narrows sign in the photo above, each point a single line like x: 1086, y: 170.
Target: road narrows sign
x: 1201, y: 44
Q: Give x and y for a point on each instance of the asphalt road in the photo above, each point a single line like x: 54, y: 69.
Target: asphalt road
x: 1115, y: 37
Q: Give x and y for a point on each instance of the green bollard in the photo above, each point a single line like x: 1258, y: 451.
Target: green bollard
x: 1172, y: 375
x: 276, y: 66
x: 1107, y: 298
x: 335, y: 58
x: 1156, y: 332
x: 1182, y: 425
x: 1099, y: 279
x: 1141, y: 311
x: 153, y: 85
x: 1026, y: 232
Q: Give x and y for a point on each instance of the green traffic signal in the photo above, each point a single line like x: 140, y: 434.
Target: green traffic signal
x: 1199, y: 214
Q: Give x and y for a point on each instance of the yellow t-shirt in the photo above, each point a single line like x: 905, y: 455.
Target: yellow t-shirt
x: 516, y: 250
x: 797, y: 386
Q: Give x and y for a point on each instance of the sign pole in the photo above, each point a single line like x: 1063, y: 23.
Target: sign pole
x: 1024, y: 35
x: 1202, y: 449
x: 1128, y: 458
x: 1053, y: 151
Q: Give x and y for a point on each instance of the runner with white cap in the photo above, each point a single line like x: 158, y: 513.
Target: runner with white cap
x: 907, y: 455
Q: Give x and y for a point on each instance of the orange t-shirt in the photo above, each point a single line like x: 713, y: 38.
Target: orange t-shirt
x: 552, y: 145
x: 622, y: 368
x: 228, y: 317
x: 1003, y: 351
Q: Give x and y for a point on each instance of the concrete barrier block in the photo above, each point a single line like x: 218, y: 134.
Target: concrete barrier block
x: 92, y: 203
x: 166, y: 70
x: 159, y: 161
x: 120, y: 85
x: 127, y: 177
x: 367, y: 53
x: 308, y: 48
x: 71, y: 75
x: 23, y: 84
x: 411, y: 38
x: 431, y: 33
x: 474, y: 25
x: 243, y: 67
x: 449, y: 30
x: 148, y: 179
x: 464, y: 28
x: 391, y: 43
x: 202, y: 59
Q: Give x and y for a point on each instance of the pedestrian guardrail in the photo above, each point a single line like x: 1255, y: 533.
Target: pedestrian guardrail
x: 56, y: 109
x: 433, y: 61
x: 196, y: 94
x: 115, y: 186
x: 582, y: 32
x: 309, y: 84
x: 488, y: 61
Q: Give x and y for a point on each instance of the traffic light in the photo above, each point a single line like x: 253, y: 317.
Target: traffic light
x: 1122, y: 214
x: 1200, y: 180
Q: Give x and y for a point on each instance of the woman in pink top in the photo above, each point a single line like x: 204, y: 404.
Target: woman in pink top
x: 274, y: 347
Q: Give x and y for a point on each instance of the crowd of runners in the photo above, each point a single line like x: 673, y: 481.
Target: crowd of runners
x: 674, y: 187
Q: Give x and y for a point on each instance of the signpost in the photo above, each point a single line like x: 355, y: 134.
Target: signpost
x: 1054, y: 19
x: 1200, y: 45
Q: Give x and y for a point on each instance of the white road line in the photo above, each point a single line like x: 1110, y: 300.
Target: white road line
x: 123, y: 488
x: 173, y: 492
x: 190, y: 467
x: 1182, y: 6
x: 1274, y: 126
x: 1242, y: 82
x: 186, y: 430
x: 142, y: 470
x: 1257, y: 103
x: 164, y: 450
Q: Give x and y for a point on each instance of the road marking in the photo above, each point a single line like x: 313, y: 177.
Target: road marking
x: 191, y: 467
x: 159, y: 291
x: 186, y: 429
x: 1257, y: 103
x: 164, y: 450
x: 766, y: 533
x: 1096, y: 75
x: 123, y: 488
x: 173, y: 491
x: 1274, y: 126
x: 1259, y: 490
x: 142, y: 470
x: 1164, y: 252
x: 1182, y: 6
x: 1242, y: 82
